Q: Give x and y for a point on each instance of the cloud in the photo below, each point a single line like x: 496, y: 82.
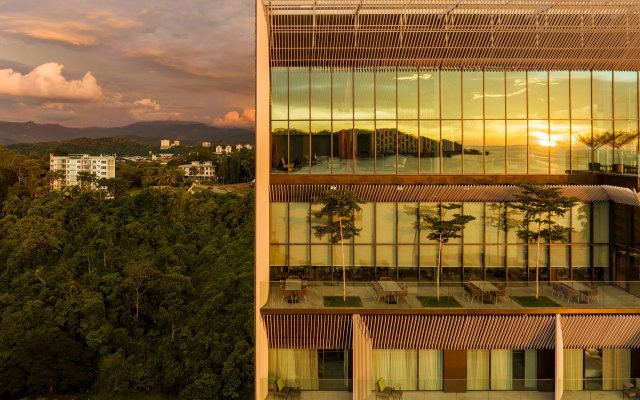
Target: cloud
x: 234, y: 118
x: 47, y: 82
x: 56, y: 112
x: 147, y: 110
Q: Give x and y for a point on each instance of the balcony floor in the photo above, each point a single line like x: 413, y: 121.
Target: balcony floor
x: 485, y: 395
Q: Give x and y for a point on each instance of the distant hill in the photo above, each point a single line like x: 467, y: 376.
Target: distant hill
x: 150, y: 133
x: 120, y: 145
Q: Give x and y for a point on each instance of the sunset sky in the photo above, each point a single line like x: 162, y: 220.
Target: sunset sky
x: 96, y: 63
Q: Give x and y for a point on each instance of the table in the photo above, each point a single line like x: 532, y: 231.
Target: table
x: 293, y: 286
x: 485, y: 287
x: 583, y: 289
x: 391, y: 287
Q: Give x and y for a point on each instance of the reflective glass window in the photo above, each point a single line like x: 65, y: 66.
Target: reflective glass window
x: 407, y: 147
x: 386, y: 223
x: 279, y: 93
x: 363, y: 255
x: 625, y: 144
x: 429, y: 92
x: 407, y: 94
x: 495, y: 222
x: 580, y: 94
x: 473, y: 94
x: 559, y: 146
x: 602, y: 94
x: 342, y: 161
x: 407, y: 220
x: 473, y: 154
x: 602, y: 134
x: 279, y: 223
x: 318, y: 221
x: 625, y: 90
x: 429, y: 147
x: 451, y: 147
x: 342, y: 94
x: 516, y: 94
x: 298, y: 93
x: 516, y: 147
x: 494, y: 97
x: 364, y: 220
x: 320, y: 147
x: 494, y: 137
x: 299, y: 147
x: 320, y: 255
x: 538, y: 94
x: 474, y: 230
x: 299, y: 255
x: 364, y: 146
x: 364, y: 98
x: 580, y: 222
x: 559, y: 95
x: 386, y: 259
x: 600, y: 222
x: 386, y: 147
x: 386, y: 94
x: 278, y: 255
x: 538, y: 146
x: 320, y: 93
x: 279, y: 146
x: 299, y: 229
x: 451, y: 94
x: 581, y: 146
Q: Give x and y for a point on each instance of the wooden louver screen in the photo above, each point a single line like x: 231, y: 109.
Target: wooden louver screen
x: 601, y: 331
x: 308, y: 331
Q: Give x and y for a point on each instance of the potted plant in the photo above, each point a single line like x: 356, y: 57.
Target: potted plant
x: 594, y: 142
x: 619, y: 140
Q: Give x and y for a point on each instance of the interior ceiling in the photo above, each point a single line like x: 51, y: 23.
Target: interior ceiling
x: 471, y: 34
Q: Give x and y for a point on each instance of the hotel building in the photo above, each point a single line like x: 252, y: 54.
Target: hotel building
x: 410, y: 104
x: 100, y: 166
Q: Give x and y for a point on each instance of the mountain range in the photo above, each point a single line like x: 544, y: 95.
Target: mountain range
x: 150, y: 133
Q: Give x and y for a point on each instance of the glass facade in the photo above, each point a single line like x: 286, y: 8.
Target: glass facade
x: 413, y: 121
x: 390, y: 244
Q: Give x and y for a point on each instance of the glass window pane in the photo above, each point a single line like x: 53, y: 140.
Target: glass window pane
x: 279, y: 93
x: 495, y: 222
x: 494, y: 257
x: 430, y: 209
x: 429, y: 94
x: 299, y: 255
x: 318, y: 221
x: 279, y: 146
x: 538, y: 94
x: 515, y: 257
x: 299, y: 229
x: 386, y: 223
x: 407, y: 95
x: 602, y: 96
x: 581, y: 94
x: 559, y: 145
x: 386, y: 147
x: 472, y: 259
x: 277, y: 255
x: 625, y: 89
x: 320, y: 147
x: 299, y: 147
x: 559, y: 94
x: 580, y: 222
x: 407, y: 219
x: 581, y: 146
x: 428, y: 256
x: 342, y: 94
x: 365, y: 221
x: 515, y: 219
x: 407, y: 147
x: 451, y: 95
x: 363, y: 255
x: 299, y: 93
x: 516, y: 147
x: 386, y: 94
x: 278, y: 223
x: 364, y: 98
x: 407, y: 256
x: 602, y: 134
x: 494, y: 95
x: 473, y: 147
x: 385, y: 256
x: 473, y: 95
x: 601, y: 262
x: 320, y: 255
x: 494, y: 136
x: 451, y: 255
x: 342, y: 161
x: 451, y: 147
x: 579, y: 260
x: 364, y: 146
x: 601, y: 221
x: 320, y: 93
x: 559, y: 256
x: 625, y: 145
x: 516, y: 94
x: 474, y: 230
x: 429, y: 147
x: 538, y: 147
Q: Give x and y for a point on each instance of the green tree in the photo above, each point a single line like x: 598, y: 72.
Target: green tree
x: 539, y: 206
x: 442, y: 229
x: 339, y: 208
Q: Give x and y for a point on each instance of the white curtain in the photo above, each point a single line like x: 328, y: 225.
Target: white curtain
x: 501, y: 370
x: 295, y: 366
x: 573, y: 367
x: 478, y: 369
x: 530, y: 368
x: 616, y: 368
x: 430, y: 370
x: 398, y: 368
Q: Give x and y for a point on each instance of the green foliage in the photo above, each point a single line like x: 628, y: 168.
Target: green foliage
x: 338, y: 208
x: 151, y: 292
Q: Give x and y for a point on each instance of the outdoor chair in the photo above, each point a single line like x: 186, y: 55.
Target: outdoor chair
x: 281, y: 391
x: 403, y: 293
x: 501, y: 293
x: 556, y: 289
x: 593, y: 293
x: 571, y: 293
x: 382, y: 390
x: 379, y: 292
x: 631, y: 390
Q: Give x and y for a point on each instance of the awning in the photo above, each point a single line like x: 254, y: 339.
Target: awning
x: 601, y: 331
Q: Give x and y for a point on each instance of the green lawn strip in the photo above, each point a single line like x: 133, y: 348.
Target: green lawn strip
x: 337, y: 301
x: 532, y: 301
x: 444, y: 301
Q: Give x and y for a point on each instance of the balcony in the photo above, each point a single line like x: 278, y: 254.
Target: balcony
x: 482, y: 296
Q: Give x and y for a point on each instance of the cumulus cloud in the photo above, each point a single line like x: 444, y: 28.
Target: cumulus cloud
x: 56, y: 112
x: 47, y: 82
x: 234, y: 118
x: 148, y: 109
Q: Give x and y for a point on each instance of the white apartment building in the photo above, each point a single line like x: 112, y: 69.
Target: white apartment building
x: 198, y: 171
x: 100, y: 166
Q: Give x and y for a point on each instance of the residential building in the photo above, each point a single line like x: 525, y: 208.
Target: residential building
x: 218, y: 149
x: 206, y: 145
x: 165, y: 144
x: 199, y: 171
x: 411, y: 104
x: 228, y: 149
x: 99, y: 166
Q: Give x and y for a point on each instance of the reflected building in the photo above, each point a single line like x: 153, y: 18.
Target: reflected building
x: 411, y: 104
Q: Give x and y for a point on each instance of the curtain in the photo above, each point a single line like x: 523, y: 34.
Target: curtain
x: 478, y: 369
x: 573, y: 367
x: 398, y: 368
x: 530, y: 368
x: 295, y: 366
x: 616, y: 368
x: 430, y: 370
x: 501, y: 370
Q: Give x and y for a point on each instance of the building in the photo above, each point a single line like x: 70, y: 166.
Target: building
x: 218, y: 149
x: 206, y: 145
x: 175, y: 143
x: 198, y: 171
x: 165, y: 144
x: 102, y: 167
x: 415, y: 103
x: 228, y: 149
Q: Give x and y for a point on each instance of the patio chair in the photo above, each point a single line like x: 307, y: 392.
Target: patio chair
x: 379, y: 292
x: 403, y: 294
x: 593, y: 292
x: 501, y: 293
x: 571, y: 293
x: 281, y: 391
x: 556, y: 289
x: 284, y: 293
x: 382, y: 390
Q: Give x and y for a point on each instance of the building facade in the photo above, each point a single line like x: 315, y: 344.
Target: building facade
x: 412, y: 104
x: 199, y: 171
x: 100, y: 166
